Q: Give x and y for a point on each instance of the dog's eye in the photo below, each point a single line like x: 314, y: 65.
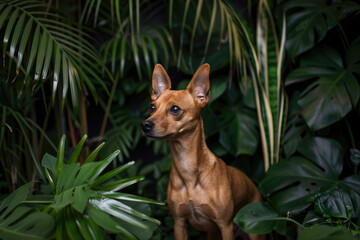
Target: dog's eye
x: 152, y: 108
x: 175, y: 110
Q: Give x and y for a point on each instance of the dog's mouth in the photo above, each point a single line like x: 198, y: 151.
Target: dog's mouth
x: 157, y: 137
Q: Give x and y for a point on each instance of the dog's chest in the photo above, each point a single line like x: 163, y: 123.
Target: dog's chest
x: 196, y: 205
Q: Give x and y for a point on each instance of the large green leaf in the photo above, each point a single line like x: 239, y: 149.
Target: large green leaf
x: 308, y: 21
x: 336, y: 201
x: 23, y: 224
x: 20, y: 222
x: 259, y: 218
x: 335, y: 90
x: 299, y: 178
x: 325, y: 153
x: 240, y: 136
x: 14, y: 199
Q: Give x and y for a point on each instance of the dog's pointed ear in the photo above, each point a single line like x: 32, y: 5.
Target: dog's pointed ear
x: 199, y: 85
x: 160, y: 81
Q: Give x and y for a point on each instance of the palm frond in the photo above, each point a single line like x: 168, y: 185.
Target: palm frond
x: 43, y: 45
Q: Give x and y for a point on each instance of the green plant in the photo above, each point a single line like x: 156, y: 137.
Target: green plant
x: 48, y: 42
x: 18, y: 221
x: 93, y: 198
x: 315, y: 184
x: 83, y: 203
x: 308, y: 185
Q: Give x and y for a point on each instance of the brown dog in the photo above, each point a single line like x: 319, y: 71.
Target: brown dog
x: 202, y: 190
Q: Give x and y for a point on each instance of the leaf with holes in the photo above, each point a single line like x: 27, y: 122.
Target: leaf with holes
x: 335, y: 89
x: 302, y: 176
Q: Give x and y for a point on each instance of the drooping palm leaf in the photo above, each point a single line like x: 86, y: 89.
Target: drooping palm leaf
x: 46, y: 44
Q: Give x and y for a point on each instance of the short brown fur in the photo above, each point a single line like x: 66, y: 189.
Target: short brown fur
x: 202, y: 189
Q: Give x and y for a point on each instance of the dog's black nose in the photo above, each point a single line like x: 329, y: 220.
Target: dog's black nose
x: 147, y: 126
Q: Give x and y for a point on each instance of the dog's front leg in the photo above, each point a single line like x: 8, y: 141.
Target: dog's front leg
x: 180, y: 229
x: 227, y: 232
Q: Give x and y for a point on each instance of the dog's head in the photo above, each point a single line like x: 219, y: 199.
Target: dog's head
x: 173, y: 112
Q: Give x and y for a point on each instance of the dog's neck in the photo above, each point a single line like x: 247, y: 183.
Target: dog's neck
x: 190, y: 155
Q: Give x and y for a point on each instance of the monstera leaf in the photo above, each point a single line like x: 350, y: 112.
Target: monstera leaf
x: 335, y: 89
x: 309, y: 20
x: 313, y: 178
x: 259, y: 218
x: 21, y: 222
x: 307, y: 182
x: 292, y: 183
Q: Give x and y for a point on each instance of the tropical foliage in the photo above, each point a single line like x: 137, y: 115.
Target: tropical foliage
x: 284, y: 109
x: 82, y: 203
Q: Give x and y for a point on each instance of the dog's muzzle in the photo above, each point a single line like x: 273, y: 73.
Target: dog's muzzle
x: 147, y: 127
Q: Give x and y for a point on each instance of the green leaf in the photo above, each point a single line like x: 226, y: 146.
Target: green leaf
x: 324, y: 103
x: 105, y: 221
x: 122, y: 55
x: 104, y: 164
x: 335, y: 202
x: 23, y: 42
x: 325, y: 153
x: 132, y: 198
x: 120, y: 184
x: 60, y: 157
x: 146, y: 56
x: 355, y: 156
x: 85, y: 172
x: 245, y: 134
x: 56, y: 72
x: 112, y: 173
x: 129, y: 210
x: 312, y: 218
x: 63, y: 200
x: 48, y: 56
x: 9, y: 29
x: 295, y: 184
x: 16, y: 35
x: 23, y: 226
x: 297, y: 169
x: 81, y: 197
x: 40, y: 56
x: 309, y: 21
x: 218, y: 87
x: 14, y: 199
x: 352, y: 186
x: 294, y: 199
x: 110, y: 206
x: 257, y: 218
x: 67, y: 177
x: 48, y: 161
x: 75, y: 155
x: 73, y: 77
x: 4, y: 14
x: 93, y: 155
x: 322, y: 232
x: 136, y: 56
x: 71, y: 229
x: 334, y: 92
x: 85, y: 229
